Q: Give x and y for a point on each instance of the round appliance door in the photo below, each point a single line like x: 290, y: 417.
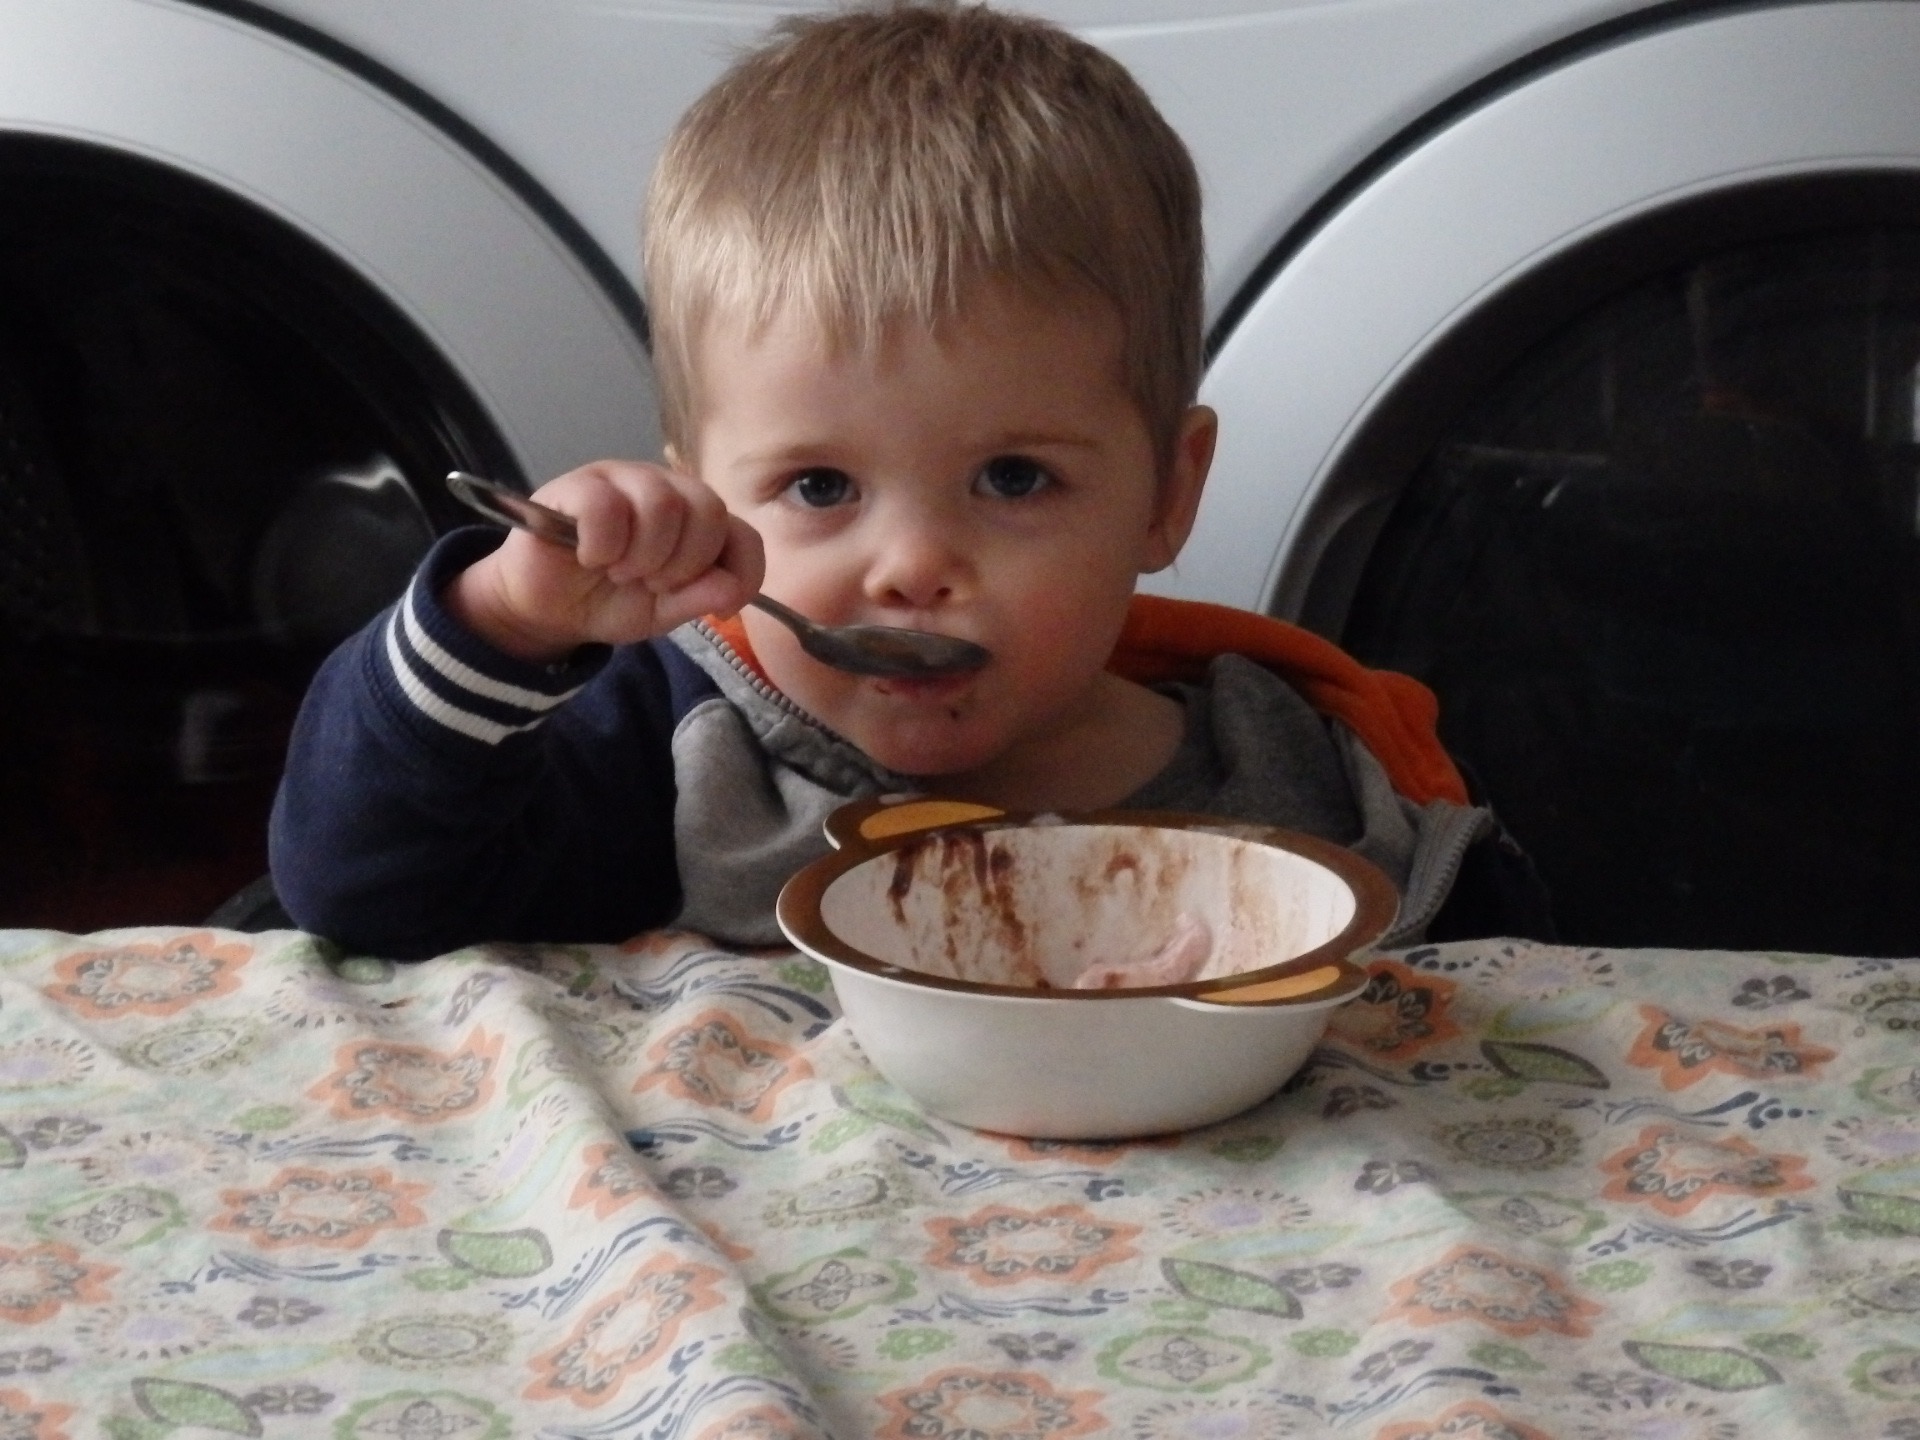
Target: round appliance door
x: 255, y: 300
x: 1598, y: 409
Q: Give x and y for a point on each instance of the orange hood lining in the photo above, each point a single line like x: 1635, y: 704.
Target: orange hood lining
x: 1164, y: 640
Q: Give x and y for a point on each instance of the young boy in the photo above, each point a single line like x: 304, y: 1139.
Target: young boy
x: 925, y: 286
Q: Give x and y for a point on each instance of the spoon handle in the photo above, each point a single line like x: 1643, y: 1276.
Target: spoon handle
x: 509, y: 507
x: 859, y: 649
x: 792, y: 619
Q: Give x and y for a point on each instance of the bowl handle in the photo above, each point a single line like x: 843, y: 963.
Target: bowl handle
x: 1322, y: 983
x: 866, y: 823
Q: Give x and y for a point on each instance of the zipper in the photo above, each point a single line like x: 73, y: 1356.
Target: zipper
x: 884, y: 780
x: 755, y: 681
x: 1448, y: 872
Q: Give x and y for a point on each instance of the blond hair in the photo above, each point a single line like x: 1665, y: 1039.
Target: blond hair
x: 877, y: 165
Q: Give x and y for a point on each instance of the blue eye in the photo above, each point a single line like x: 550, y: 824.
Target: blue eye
x: 1012, y: 477
x: 821, y: 489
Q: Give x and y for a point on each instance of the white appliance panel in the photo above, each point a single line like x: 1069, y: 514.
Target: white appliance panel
x: 536, y: 337
x: 1617, y: 133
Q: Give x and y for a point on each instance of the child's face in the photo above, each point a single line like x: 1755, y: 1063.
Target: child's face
x: 994, y: 481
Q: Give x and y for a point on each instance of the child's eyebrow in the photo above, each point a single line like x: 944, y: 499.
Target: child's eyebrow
x: 825, y: 452
x: 1040, y: 439
x: 806, y: 452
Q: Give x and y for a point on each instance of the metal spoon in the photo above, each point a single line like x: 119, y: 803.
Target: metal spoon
x: 881, y: 650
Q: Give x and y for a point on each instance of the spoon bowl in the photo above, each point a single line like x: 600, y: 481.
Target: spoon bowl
x: 884, y: 651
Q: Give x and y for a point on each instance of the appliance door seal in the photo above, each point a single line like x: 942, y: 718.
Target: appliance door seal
x: 1729, y: 101
x: 547, y: 350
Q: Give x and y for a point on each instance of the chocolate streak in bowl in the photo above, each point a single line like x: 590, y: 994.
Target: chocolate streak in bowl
x: 1034, y: 906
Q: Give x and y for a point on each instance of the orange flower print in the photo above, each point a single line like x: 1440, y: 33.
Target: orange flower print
x: 717, y: 1236
x: 410, y: 1082
x: 1082, y: 1152
x: 715, y: 1060
x: 22, y: 1418
x: 1471, y: 1420
x: 1000, y: 1245
x: 614, y: 1179
x: 1399, y: 1014
x: 37, y: 1281
x: 625, y: 1333
x: 1685, y: 1051
x: 1505, y: 1295
x: 340, y: 1210
x: 1674, y: 1171
x: 762, y: 1422
x: 155, y: 978
x: 988, y: 1405
x: 657, y: 943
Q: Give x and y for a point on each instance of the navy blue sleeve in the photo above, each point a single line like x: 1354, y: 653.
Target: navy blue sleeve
x: 440, y: 794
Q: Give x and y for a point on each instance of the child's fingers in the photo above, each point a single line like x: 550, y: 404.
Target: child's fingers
x: 745, y: 558
x: 724, y: 586
x: 656, y: 519
x: 656, y: 548
x: 698, y: 542
x: 596, y: 497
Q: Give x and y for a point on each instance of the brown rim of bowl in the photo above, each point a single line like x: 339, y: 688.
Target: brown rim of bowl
x: 1376, y: 901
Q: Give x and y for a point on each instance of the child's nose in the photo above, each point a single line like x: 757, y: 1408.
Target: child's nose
x: 918, y: 562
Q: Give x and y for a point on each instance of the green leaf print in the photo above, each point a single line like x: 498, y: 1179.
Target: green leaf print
x: 1494, y: 1087
x: 179, y: 1402
x: 435, y: 1279
x: 1784, y: 1345
x: 1230, y: 1289
x: 878, y: 1100
x: 1710, y: 1367
x: 266, y: 1117
x: 807, y: 975
x: 1894, y: 1212
x: 1322, y: 1344
x: 1247, y: 1149
x: 1616, y: 1275
x: 1496, y: 1356
x: 502, y: 1255
x: 1180, y: 1312
x: 364, y: 970
x: 1547, y: 1064
x: 912, y: 1343
x: 839, y: 1130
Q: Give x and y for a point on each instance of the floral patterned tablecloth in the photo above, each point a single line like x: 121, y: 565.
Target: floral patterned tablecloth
x: 250, y: 1186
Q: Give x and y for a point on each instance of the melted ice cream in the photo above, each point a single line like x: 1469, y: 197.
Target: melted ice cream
x: 1177, y: 960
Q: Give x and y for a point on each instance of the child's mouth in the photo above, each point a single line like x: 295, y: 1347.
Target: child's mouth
x: 933, y: 690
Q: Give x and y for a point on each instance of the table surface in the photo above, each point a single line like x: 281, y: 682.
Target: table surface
x: 251, y: 1186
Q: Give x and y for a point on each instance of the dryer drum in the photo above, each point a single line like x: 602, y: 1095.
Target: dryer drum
x: 41, y: 573
x: 1660, y: 557
x: 217, y: 451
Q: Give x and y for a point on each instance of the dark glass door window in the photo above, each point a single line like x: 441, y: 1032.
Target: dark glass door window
x: 1664, y: 576
x: 220, y: 453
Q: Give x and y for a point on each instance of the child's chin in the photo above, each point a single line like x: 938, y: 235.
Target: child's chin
x: 913, y: 751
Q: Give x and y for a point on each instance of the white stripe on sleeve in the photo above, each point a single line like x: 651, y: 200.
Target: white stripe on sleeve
x: 477, y: 727
x: 465, y: 676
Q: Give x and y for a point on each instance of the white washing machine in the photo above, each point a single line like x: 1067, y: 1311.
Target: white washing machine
x: 1472, y: 267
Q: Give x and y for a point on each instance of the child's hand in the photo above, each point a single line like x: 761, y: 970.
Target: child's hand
x: 656, y: 549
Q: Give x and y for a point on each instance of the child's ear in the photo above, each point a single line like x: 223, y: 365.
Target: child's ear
x: 1180, y: 488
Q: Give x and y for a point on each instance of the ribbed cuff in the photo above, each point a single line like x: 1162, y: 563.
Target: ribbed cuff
x: 438, y: 668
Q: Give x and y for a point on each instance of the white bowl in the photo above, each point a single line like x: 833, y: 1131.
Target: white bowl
x: 953, y: 933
